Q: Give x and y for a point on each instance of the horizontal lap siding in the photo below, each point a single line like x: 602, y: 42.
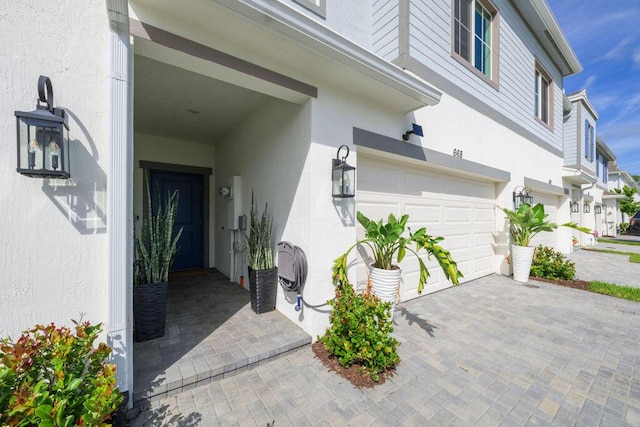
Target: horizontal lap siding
x: 430, y: 43
x: 385, y: 29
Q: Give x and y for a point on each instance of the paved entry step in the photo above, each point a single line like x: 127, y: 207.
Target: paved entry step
x: 211, y: 333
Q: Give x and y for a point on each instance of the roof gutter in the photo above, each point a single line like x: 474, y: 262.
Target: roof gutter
x: 313, y: 35
x: 557, y: 36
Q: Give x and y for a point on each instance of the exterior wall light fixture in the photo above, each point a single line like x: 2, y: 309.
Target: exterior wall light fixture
x: 597, y: 209
x: 575, y: 206
x: 343, y: 176
x: 521, y: 196
x: 415, y: 129
x: 587, y: 208
x: 43, y: 137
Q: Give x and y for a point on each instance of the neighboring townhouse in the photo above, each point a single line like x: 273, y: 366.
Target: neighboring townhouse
x: 618, y: 179
x: 585, y: 166
x: 259, y: 96
x: 598, y: 208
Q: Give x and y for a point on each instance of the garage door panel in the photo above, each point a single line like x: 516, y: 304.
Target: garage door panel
x: 484, y: 215
x: 429, y: 213
x: 459, y: 209
x: 379, y: 179
x: 457, y: 214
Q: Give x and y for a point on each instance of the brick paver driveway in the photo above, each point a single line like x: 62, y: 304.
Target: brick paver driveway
x: 489, y: 352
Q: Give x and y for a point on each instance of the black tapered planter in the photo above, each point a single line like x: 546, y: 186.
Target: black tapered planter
x: 262, y: 288
x: 149, y: 311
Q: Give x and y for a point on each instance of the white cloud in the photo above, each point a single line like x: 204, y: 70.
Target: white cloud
x: 636, y: 58
x: 589, y: 81
x: 618, y: 50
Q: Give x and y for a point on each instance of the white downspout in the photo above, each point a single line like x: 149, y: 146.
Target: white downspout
x: 120, y: 196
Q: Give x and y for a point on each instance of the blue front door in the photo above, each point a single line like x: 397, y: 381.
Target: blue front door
x: 190, y: 214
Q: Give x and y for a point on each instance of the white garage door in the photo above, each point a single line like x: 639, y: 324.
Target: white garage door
x: 551, y: 208
x: 457, y: 208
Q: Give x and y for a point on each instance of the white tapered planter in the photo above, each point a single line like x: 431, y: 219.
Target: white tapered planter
x: 385, y: 285
x: 521, y: 258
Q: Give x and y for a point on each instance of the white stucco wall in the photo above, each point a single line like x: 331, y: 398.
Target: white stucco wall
x: 54, y: 258
x: 283, y: 153
x: 153, y: 148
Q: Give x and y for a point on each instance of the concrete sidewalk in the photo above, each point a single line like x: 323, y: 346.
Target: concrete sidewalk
x: 488, y: 352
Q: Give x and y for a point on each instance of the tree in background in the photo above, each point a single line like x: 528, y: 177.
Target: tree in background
x: 636, y: 178
x: 628, y: 205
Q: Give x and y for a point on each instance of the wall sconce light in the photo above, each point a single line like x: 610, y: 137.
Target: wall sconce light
x: 416, y: 130
x: 521, y: 196
x: 343, y: 176
x: 586, y: 208
x: 225, y: 191
x: 43, y: 137
x: 575, y: 207
x: 597, y: 209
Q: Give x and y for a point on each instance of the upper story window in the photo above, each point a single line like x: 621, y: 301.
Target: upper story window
x: 605, y: 171
x: 475, y: 35
x: 316, y: 6
x: 589, y: 141
x: 543, y: 95
x: 598, y: 164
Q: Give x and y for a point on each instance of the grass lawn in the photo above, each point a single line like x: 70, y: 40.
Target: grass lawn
x: 620, y: 242
x: 625, y: 292
x: 633, y: 256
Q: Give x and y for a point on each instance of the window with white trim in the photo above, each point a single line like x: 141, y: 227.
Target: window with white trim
x: 542, y: 95
x: 474, y: 34
x: 589, y: 141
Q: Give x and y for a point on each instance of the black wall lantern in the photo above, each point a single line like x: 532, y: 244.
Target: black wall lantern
x: 43, y: 137
x: 343, y: 176
x: 575, y: 207
x: 587, y: 208
x: 521, y: 196
x: 598, y: 209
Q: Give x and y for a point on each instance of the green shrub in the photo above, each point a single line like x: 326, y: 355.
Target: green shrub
x: 53, y: 377
x: 624, y: 226
x: 359, y: 332
x: 551, y: 264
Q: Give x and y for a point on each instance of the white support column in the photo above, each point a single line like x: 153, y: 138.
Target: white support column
x: 120, y: 195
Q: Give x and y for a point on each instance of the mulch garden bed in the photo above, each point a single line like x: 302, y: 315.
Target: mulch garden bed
x: 354, y: 374
x: 576, y: 284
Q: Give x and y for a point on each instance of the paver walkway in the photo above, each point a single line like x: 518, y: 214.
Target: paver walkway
x: 606, y: 267
x: 489, y: 352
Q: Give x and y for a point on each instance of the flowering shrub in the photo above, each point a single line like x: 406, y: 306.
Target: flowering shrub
x: 550, y: 264
x: 53, y: 377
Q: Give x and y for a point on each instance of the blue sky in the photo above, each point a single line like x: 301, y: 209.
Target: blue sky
x: 605, y: 34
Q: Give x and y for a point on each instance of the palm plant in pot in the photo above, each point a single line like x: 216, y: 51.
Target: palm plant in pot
x: 155, y: 250
x: 388, y: 241
x: 525, y: 223
x: 263, y: 275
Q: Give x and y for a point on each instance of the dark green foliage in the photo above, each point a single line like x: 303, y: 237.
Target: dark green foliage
x: 551, y: 264
x: 359, y: 332
x: 628, y: 206
x: 157, y: 246
x: 258, y: 245
x: 53, y: 377
x: 388, y: 240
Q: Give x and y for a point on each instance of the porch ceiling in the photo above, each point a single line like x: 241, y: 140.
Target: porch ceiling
x: 177, y: 103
